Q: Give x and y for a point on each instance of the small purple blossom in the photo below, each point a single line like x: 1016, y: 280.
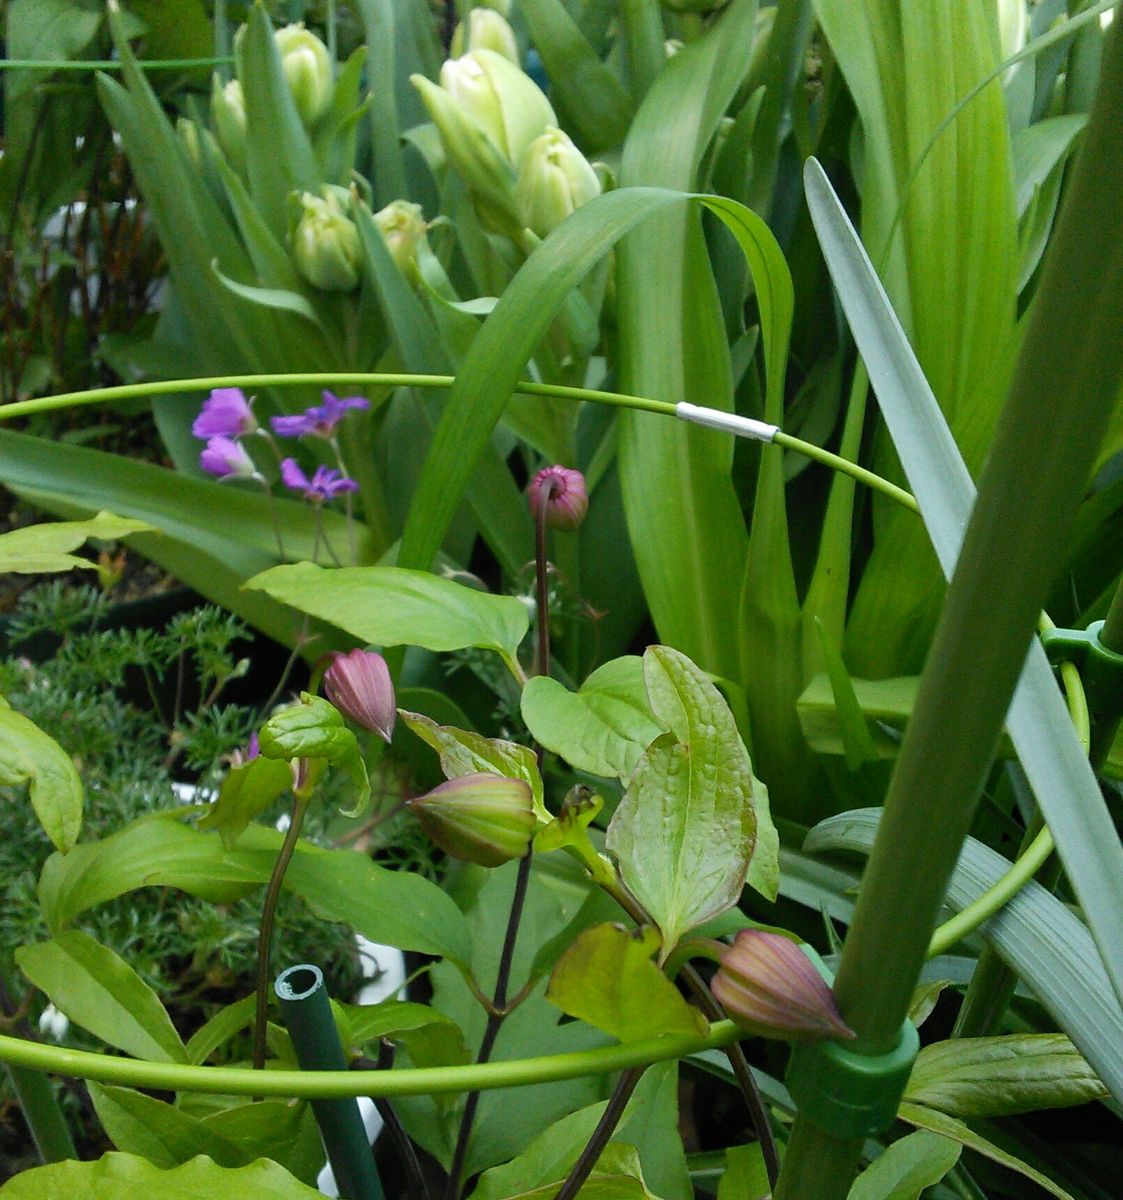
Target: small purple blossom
x: 227, y: 459
x: 325, y: 483
x: 320, y: 420
x: 563, y: 490
x: 225, y: 413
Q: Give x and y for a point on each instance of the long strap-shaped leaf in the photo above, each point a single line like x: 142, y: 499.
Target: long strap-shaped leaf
x: 1045, y: 943
x: 509, y: 336
x: 1038, y: 722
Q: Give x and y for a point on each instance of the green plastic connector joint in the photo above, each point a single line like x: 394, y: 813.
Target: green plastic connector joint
x: 849, y: 1094
x: 1101, y: 669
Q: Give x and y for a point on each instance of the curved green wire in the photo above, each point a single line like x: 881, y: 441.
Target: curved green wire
x: 411, y: 1081
x: 111, y: 64
x: 233, y: 1081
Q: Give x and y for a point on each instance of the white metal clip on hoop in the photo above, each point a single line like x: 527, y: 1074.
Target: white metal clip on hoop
x: 714, y: 418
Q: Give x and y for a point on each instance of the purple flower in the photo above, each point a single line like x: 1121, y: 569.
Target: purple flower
x: 564, y: 492
x: 225, y: 413
x: 325, y: 483
x: 227, y: 459
x: 320, y: 420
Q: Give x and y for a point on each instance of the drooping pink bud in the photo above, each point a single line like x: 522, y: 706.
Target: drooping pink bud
x: 769, y: 986
x: 484, y: 819
x: 358, y: 683
x: 563, y: 492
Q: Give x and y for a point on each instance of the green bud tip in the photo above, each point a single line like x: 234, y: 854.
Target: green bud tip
x: 325, y: 243
x: 769, y: 986
x: 484, y: 819
x: 308, y: 70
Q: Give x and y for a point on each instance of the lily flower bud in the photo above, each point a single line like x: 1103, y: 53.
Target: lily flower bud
x: 358, y: 683
x: 402, y: 227
x: 554, y: 179
x: 308, y: 70
x: 474, y: 157
x: 228, y: 109
x: 563, y: 492
x: 769, y: 986
x: 188, y: 133
x: 485, y: 29
x: 483, y: 819
x: 500, y: 98
x: 325, y: 244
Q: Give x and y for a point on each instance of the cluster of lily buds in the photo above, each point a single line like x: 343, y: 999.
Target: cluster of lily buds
x: 502, y: 136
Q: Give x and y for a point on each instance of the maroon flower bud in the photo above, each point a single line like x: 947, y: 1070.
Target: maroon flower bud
x: 358, y: 684
x: 484, y: 819
x: 769, y: 986
x: 563, y: 492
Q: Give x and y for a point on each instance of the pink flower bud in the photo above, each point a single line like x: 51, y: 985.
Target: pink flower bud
x: 563, y: 491
x: 769, y: 986
x: 358, y: 684
x: 484, y: 819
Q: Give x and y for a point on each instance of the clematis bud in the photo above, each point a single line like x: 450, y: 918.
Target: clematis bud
x: 554, y: 178
x: 769, y: 986
x: 308, y: 72
x: 485, y: 29
x: 402, y: 227
x: 358, y: 683
x: 325, y: 243
x: 483, y: 819
x: 228, y: 109
x: 500, y: 98
x: 563, y: 492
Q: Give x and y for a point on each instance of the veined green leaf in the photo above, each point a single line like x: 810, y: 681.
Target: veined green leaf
x: 98, y: 990
x: 907, y: 1167
x: 44, y: 548
x: 390, y: 907
x: 162, y: 1133
x: 30, y: 756
x: 1000, y: 1076
x: 603, y: 728
x: 391, y: 606
x: 688, y: 825
x: 609, y: 979
x: 116, y: 1175
x: 950, y: 1127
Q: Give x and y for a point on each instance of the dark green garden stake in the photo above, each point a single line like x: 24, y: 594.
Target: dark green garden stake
x: 307, y: 1013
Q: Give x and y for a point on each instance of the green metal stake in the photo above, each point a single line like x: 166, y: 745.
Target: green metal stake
x: 307, y: 1013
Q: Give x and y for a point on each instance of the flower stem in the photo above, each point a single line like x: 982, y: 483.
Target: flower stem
x: 268, y: 912
x: 606, y: 1127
